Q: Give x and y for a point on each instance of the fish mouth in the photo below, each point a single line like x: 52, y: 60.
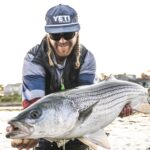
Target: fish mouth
x: 20, y: 130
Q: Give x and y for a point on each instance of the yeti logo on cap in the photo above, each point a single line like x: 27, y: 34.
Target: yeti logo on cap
x: 62, y: 19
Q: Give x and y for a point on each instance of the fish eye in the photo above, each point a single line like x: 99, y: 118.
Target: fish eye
x: 35, y: 114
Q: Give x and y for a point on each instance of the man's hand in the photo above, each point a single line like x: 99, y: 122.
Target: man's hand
x: 22, y: 143
x: 127, y: 110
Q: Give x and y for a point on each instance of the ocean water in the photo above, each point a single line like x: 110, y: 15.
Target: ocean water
x: 129, y: 133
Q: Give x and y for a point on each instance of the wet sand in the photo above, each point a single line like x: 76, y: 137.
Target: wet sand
x: 130, y: 133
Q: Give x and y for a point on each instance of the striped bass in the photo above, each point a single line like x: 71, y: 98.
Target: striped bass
x: 80, y: 113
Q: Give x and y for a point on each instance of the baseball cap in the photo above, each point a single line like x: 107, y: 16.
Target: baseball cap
x: 61, y: 18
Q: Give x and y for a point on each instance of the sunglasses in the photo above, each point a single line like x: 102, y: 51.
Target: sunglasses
x: 66, y: 36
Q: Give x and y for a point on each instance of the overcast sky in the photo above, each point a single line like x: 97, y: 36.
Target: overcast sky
x: 117, y: 32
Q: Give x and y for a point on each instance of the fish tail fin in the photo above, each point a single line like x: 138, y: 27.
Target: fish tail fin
x: 143, y: 108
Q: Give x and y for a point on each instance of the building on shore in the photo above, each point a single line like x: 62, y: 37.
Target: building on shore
x: 11, y: 89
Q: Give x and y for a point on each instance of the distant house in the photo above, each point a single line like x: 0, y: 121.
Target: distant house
x: 145, y: 79
x: 11, y: 89
x: 146, y: 75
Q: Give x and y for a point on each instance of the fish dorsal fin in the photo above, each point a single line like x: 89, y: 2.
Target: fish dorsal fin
x: 96, y: 140
x: 110, y: 78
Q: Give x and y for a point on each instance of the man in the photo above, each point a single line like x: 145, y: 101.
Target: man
x: 59, y: 62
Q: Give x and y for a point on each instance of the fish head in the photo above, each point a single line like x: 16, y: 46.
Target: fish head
x: 49, y: 117
x: 27, y: 123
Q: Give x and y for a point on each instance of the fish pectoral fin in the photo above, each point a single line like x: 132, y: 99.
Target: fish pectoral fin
x: 89, y: 143
x: 96, y: 140
x: 83, y: 115
x: 110, y: 78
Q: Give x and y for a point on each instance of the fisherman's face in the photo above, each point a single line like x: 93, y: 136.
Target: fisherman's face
x: 63, y: 43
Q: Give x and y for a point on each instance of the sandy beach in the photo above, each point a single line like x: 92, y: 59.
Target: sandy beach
x: 130, y: 133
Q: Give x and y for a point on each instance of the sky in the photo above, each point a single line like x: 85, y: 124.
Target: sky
x: 117, y: 32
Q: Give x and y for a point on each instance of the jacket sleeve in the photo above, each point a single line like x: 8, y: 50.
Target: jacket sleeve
x: 88, y: 70
x: 33, y: 81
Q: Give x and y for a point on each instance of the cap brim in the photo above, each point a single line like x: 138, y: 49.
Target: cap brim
x: 62, y: 28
